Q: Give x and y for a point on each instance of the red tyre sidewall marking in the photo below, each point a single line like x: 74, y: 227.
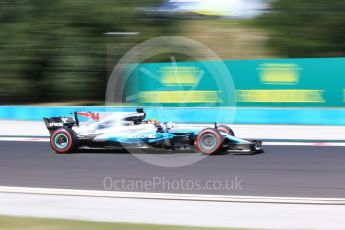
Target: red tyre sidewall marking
x: 216, y: 135
x: 221, y: 129
x: 69, y: 144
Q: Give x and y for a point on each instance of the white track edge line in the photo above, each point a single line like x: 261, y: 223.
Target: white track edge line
x: 171, y: 196
x: 25, y: 139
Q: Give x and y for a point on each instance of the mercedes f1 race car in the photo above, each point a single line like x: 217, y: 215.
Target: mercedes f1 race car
x: 131, y: 130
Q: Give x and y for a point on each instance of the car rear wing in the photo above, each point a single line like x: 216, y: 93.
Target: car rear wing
x: 54, y: 123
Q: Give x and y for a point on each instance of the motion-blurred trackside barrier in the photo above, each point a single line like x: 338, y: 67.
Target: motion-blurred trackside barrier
x: 288, y: 116
x: 279, y: 91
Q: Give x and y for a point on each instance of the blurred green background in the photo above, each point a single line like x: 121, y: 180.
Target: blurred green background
x: 58, y: 52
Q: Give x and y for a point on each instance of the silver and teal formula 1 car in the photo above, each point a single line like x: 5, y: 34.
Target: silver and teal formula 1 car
x: 131, y: 130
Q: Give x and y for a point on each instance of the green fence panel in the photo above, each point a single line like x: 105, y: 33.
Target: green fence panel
x: 256, y: 83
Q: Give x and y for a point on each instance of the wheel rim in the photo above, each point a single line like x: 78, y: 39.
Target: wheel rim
x: 208, y: 142
x: 61, y: 141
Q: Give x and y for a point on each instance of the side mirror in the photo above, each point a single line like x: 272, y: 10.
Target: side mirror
x: 140, y: 110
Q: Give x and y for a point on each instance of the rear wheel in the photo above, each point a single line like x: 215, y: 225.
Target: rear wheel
x: 226, y: 129
x: 209, y: 141
x: 63, y: 141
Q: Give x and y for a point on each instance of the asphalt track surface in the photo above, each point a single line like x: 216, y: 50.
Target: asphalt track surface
x: 297, y: 171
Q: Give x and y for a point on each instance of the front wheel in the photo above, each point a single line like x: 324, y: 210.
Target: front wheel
x: 209, y: 141
x: 63, y: 141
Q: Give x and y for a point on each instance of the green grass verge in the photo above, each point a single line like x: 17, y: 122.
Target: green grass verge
x: 19, y: 223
